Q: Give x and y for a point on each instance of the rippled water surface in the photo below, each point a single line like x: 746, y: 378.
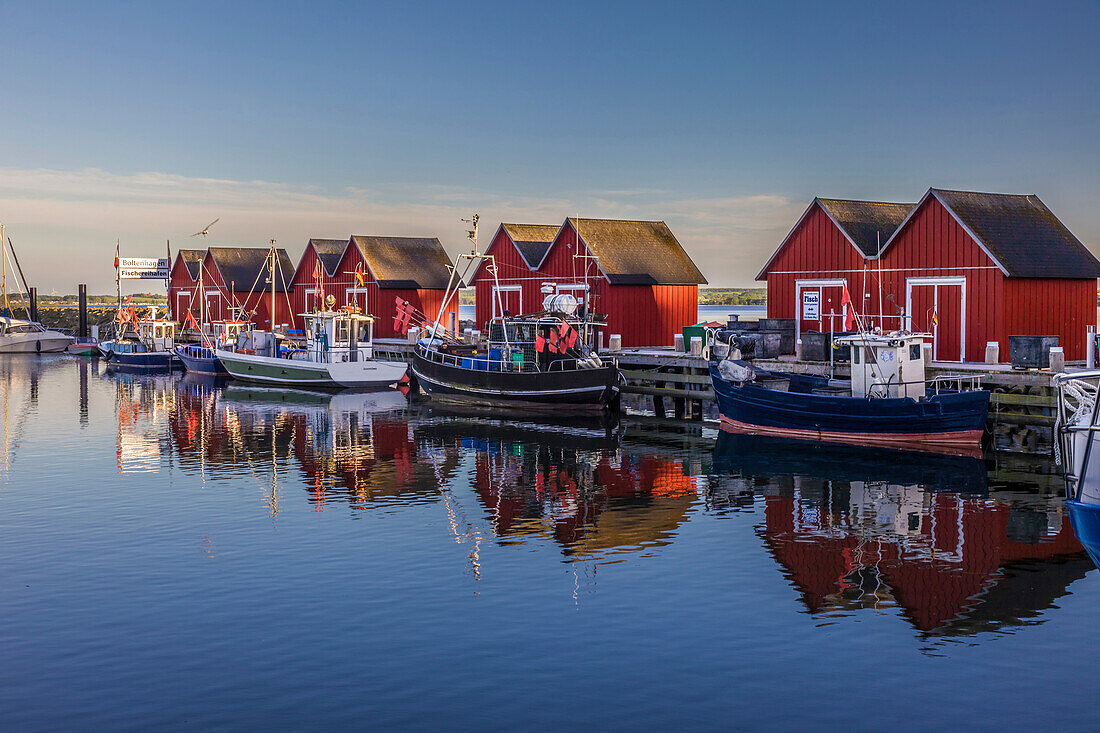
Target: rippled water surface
x: 175, y: 553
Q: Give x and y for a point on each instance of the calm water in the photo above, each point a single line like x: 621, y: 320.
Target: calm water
x: 174, y: 554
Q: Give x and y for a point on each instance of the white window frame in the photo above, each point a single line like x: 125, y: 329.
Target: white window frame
x: 936, y: 282
x: 506, y: 289
x: 351, y: 292
x: 834, y: 282
x: 183, y: 297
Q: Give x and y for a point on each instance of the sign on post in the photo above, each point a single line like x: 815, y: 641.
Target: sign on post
x: 143, y: 268
x: 811, y: 305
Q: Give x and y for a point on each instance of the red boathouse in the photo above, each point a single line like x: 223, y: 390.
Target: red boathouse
x: 969, y: 268
x: 232, y: 277
x: 373, y: 272
x: 635, y: 272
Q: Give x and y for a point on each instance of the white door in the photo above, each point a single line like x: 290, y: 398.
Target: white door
x: 508, y: 297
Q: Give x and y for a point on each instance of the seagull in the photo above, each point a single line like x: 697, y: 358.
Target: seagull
x: 206, y: 229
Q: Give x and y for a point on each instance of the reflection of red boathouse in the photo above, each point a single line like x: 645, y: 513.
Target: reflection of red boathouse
x: 586, y: 506
x: 938, y: 557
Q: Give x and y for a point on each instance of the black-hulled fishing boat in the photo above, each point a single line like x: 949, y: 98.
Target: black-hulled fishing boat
x: 887, y: 403
x: 538, y: 361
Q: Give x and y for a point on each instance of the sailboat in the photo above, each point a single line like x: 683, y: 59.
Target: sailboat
x: 24, y: 336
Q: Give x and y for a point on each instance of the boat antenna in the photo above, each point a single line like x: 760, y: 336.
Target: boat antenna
x: 878, y: 258
x: 206, y: 229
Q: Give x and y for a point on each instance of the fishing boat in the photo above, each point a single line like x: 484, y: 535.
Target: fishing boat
x: 534, y: 362
x: 338, y: 353
x: 888, y: 401
x: 201, y: 357
x: 144, y: 344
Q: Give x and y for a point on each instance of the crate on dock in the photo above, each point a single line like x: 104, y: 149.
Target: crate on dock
x: 784, y: 326
x: 816, y: 346
x: 1030, y: 352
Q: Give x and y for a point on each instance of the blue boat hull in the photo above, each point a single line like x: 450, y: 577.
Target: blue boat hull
x: 948, y: 421
x: 200, y: 360
x: 135, y: 356
x: 1086, y: 524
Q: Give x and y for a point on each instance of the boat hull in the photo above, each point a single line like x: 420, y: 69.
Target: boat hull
x: 578, y: 390
x: 135, y: 359
x: 83, y: 348
x: 953, y: 421
x: 368, y: 374
x: 200, y: 361
x: 45, y: 342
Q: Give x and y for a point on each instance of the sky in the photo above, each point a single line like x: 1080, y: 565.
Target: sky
x: 145, y: 121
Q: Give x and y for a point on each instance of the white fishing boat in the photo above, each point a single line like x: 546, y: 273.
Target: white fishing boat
x: 338, y: 353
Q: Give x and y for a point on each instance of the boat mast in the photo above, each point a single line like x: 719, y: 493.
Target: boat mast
x: 452, y: 283
x: 271, y: 254
x: 4, y: 244
x: 118, y: 287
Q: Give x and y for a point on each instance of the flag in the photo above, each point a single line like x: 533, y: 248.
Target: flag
x: 317, y: 269
x: 360, y: 278
x: 116, y: 254
x: 935, y: 320
x: 849, y: 311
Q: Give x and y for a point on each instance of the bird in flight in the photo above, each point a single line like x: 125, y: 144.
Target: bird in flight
x: 206, y: 229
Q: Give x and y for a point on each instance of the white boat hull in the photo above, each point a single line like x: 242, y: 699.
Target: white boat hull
x: 371, y: 373
x: 43, y: 342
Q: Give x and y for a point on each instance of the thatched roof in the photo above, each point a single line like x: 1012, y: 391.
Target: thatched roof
x: 405, y: 262
x: 637, y: 252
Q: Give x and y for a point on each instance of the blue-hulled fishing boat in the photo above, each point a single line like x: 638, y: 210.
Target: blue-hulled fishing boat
x: 887, y: 403
x: 201, y: 357
x: 146, y: 344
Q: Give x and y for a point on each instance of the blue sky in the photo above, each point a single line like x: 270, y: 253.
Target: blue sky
x: 145, y: 121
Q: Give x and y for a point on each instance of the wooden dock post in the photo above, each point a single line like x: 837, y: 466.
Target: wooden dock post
x: 82, y: 311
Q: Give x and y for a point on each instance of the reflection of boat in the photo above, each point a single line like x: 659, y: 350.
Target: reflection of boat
x: 1078, y: 441
x: 869, y: 528
x: 758, y: 455
x: 889, y: 402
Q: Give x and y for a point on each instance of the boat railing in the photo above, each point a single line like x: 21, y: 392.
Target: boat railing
x: 496, y: 365
x: 956, y: 382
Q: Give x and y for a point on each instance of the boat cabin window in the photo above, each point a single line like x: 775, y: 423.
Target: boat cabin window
x: 364, y: 331
x: 22, y: 328
x: 857, y: 355
x: 342, y: 333
x: 914, y: 352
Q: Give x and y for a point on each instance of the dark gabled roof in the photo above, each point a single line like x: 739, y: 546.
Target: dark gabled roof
x: 330, y: 252
x: 1020, y: 234
x: 868, y: 224
x: 405, y: 262
x: 637, y: 252
x: 192, y: 259
x: 240, y: 268
x: 532, y: 240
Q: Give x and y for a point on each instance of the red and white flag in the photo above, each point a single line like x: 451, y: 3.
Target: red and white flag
x: 849, y: 310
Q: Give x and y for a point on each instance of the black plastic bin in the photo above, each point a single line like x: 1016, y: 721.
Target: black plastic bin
x: 1030, y: 352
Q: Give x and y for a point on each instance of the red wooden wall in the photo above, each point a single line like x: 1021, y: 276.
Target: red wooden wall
x: 645, y: 315
x: 932, y: 244
x: 376, y: 301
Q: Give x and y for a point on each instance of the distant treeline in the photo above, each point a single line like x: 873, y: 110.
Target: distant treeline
x: 733, y: 296
x: 137, y: 298
x: 707, y: 296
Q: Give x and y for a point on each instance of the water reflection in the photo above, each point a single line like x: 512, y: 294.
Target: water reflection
x: 853, y: 530
x: 871, y: 529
